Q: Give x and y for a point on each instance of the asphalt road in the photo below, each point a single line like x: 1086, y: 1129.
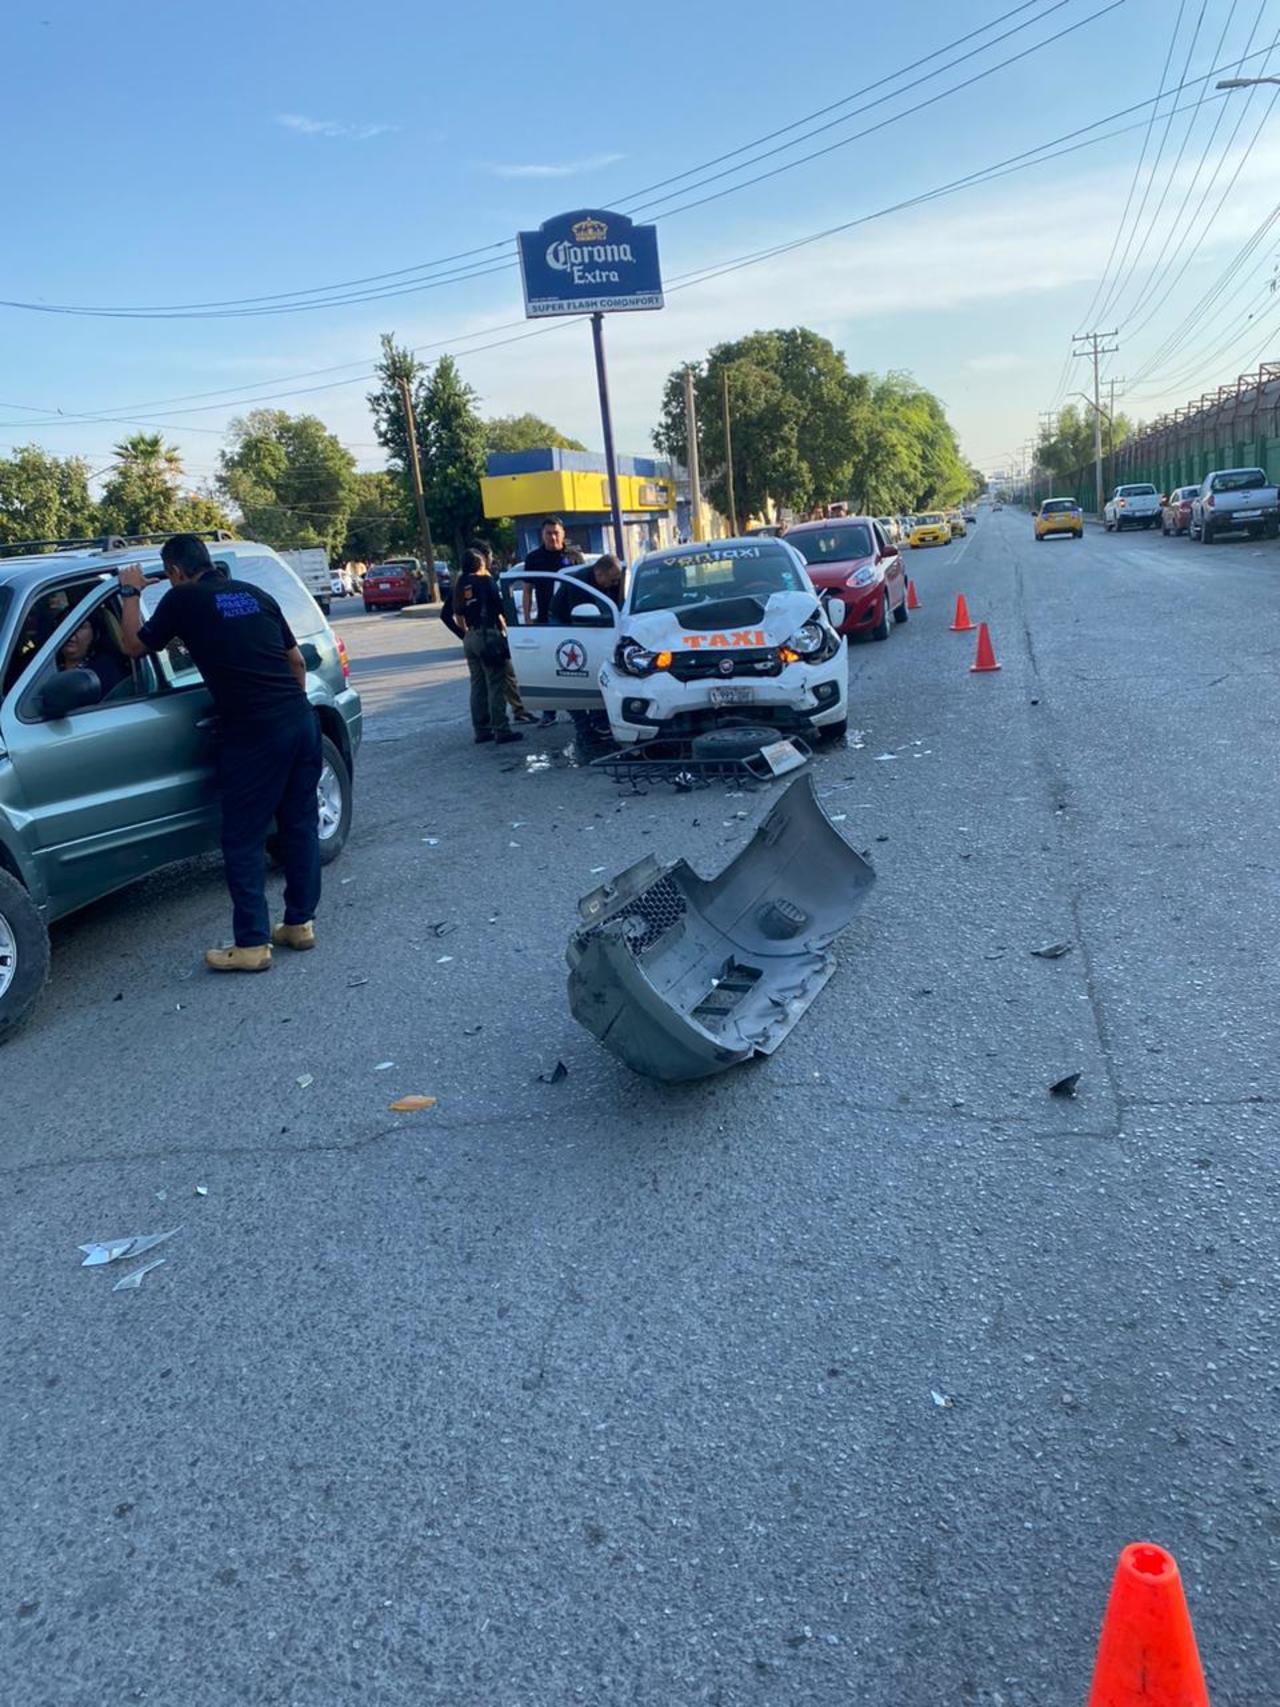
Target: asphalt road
x: 603, y: 1392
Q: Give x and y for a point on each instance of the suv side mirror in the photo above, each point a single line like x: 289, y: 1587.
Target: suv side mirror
x: 68, y: 691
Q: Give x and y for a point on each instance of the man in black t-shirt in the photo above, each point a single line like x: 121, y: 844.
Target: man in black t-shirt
x: 269, y: 756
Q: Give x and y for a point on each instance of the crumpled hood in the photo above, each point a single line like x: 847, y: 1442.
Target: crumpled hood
x: 660, y: 630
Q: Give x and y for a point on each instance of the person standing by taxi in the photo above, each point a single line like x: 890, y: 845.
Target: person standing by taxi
x: 551, y: 556
x: 269, y: 756
x: 477, y: 611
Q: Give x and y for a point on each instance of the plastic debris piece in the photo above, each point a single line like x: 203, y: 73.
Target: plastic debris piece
x: 305, y: 1079
x: 472, y: 1030
x: 432, y: 841
x: 558, y: 1072
x: 355, y: 983
x: 384, y: 1066
x: 597, y: 869
x: 943, y: 1401
x: 443, y: 959
x: 133, y: 1245
x: 1052, y: 951
x: 520, y: 824
x: 442, y: 927
x: 202, y: 1191
x: 1065, y: 1087
x: 411, y: 1104
x: 131, y: 1282
x: 882, y: 758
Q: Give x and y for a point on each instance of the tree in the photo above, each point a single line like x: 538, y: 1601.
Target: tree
x: 796, y: 411
x: 377, y: 524
x: 44, y: 496
x: 1067, y: 451
x: 290, y: 478
x: 143, y: 493
x: 452, y: 453
x: 525, y: 432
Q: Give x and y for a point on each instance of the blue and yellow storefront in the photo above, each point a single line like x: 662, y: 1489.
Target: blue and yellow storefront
x: 574, y: 485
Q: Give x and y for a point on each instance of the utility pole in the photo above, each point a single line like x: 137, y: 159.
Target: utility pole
x: 1112, y: 382
x: 415, y: 471
x: 728, y: 460
x: 1093, y: 342
x: 691, y: 434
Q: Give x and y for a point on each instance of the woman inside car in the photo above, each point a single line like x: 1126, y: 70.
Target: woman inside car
x: 85, y: 650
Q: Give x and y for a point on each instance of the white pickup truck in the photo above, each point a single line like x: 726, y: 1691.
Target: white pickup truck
x: 311, y: 566
x: 1136, y: 506
x: 1235, y: 500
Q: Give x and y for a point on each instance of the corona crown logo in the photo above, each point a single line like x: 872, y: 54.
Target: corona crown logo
x: 590, y: 231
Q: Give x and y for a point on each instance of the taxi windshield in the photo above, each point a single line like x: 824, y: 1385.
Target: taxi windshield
x: 833, y: 545
x: 928, y: 521
x: 672, y: 580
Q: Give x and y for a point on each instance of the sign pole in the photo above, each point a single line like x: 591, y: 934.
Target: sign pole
x: 606, y: 421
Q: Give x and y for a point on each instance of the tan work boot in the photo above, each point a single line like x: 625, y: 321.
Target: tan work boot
x: 295, y: 936
x: 256, y: 959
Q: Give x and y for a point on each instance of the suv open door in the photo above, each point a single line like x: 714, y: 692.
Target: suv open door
x: 561, y: 633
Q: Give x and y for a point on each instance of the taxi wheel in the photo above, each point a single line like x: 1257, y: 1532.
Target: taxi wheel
x: 24, y: 954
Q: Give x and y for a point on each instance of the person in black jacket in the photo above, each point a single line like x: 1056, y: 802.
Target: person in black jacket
x: 477, y: 610
x: 518, y: 709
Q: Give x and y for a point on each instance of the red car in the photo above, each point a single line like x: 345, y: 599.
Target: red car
x: 850, y: 556
x: 1175, y: 517
x: 393, y: 585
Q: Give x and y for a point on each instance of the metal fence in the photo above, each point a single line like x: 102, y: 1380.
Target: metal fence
x: 1238, y: 426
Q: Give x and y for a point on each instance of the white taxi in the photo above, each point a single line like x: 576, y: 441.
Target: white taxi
x: 726, y: 631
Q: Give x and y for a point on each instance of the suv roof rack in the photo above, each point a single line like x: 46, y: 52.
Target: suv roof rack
x: 101, y: 542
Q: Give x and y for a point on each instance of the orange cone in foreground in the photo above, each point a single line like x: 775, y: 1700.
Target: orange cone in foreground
x: 986, y: 656
x: 1147, y: 1654
x: 913, y: 598
x: 963, y: 622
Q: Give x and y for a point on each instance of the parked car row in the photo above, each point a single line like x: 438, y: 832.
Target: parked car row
x: 1227, y: 500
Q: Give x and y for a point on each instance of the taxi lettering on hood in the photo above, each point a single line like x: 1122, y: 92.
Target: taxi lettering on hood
x: 737, y: 637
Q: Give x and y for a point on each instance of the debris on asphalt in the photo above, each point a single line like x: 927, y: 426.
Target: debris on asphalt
x: 881, y: 758
x: 944, y: 1401
x: 432, y: 841
x: 1065, y: 1087
x: 114, y: 1250
x: 131, y: 1282
x: 443, y: 959
x: 882, y: 838
x: 411, y: 1104
x: 1052, y: 951
x: 558, y: 1072
x: 384, y: 1066
x: 682, y: 977
x: 472, y: 1030
x: 355, y: 983
x: 442, y: 927
x: 305, y: 1079
x: 202, y: 1191
x: 536, y: 762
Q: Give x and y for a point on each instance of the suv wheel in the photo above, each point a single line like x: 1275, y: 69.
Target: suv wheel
x: 24, y: 954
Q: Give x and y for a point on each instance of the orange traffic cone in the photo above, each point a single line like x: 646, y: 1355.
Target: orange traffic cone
x: 986, y: 655
x: 1147, y: 1652
x: 913, y: 598
x: 963, y: 622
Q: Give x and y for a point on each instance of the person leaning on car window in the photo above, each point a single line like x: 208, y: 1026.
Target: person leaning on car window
x: 268, y: 738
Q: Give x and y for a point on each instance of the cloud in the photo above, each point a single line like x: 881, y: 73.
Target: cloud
x: 562, y: 169
x: 1003, y: 361
x: 332, y: 127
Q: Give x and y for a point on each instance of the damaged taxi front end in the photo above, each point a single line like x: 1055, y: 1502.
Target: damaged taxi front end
x: 721, y: 632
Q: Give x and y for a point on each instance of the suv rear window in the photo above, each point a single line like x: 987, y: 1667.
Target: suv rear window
x: 1239, y: 480
x: 301, y: 611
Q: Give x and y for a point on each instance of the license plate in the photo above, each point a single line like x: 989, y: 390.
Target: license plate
x: 731, y: 696
x: 382, y: 587
x: 1248, y: 515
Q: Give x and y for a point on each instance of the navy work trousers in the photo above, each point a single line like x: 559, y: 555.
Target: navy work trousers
x: 266, y: 774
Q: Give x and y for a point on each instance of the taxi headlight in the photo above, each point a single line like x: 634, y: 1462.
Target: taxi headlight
x: 635, y: 659
x: 812, y: 643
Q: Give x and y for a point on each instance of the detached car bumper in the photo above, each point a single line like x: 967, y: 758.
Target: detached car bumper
x: 641, y: 708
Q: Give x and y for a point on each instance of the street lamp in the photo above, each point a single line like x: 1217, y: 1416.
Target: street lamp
x: 1244, y: 82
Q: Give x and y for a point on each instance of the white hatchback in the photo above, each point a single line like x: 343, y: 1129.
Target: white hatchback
x: 726, y: 631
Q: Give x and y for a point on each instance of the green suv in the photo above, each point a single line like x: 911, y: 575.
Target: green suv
x: 106, y: 763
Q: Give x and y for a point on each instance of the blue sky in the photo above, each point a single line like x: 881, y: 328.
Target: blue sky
x: 233, y: 151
